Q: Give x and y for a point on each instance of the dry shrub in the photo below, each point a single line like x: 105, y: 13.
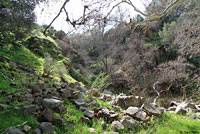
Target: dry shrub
x: 173, y: 75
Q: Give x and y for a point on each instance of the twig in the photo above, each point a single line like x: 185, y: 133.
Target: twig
x: 21, y: 124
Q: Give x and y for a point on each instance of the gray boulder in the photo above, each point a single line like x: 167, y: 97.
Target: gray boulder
x: 109, y: 116
x: 79, y: 102
x: 46, y: 115
x: 82, y: 90
x: 151, y: 109
x: 106, y: 97
x: 30, y: 109
x: 59, y: 121
x: 50, y: 103
x: 126, y: 101
x: 86, y: 120
x: 137, y: 113
x: 12, y: 130
x: 89, y: 113
x: 37, y: 131
x: 116, y: 125
x: 82, y: 108
x: 36, y: 89
x: 129, y: 122
x: 60, y: 109
x: 46, y: 128
x: 66, y: 93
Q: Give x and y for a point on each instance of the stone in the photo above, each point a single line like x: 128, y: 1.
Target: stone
x: 79, y: 102
x: 86, y: 120
x: 72, y: 85
x: 29, y: 90
x: 82, y: 90
x: 75, y: 95
x: 82, y: 108
x: 37, y: 131
x: 65, y: 93
x: 137, y: 113
x: 106, y: 97
x: 151, y: 109
x: 36, y: 89
x: 95, y: 92
x: 89, y: 113
x: 126, y: 101
x: 30, y: 109
x: 3, y: 106
x: 59, y: 121
x: 114, y: 116
x: 17, y: 96
x: 92, y: 103
x: 26, y: 128
x: 46, y: 128
x: 46, y: 115
x: 38, y: 100
x: 12, y: 130
x: 108, y: 115
x: 129, y: 122
x: 60, y: 109
x: 116, y: 125
x: 91, y: 130
x: 64, y: 85
x: 29, y: 97
x: 55, y: 94
x: 51, y: 103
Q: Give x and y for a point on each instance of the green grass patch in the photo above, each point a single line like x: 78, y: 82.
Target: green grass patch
x: 22, y: 55
x: 79, y: 77
x: 104, y: 104
x: 79, y: 127
x: 70, y: 79
x: 12, y: 117
x: 172, y: 124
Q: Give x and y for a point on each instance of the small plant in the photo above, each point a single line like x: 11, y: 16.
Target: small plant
x: 53, y: 67
x: 101, y: 81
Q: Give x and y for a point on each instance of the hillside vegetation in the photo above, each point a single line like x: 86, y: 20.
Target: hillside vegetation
x: 136, y: 78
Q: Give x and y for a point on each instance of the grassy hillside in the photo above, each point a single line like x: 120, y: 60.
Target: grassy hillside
x: 49, y: 66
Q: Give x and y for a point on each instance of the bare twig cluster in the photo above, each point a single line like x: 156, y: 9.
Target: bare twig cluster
x: 95, y: 8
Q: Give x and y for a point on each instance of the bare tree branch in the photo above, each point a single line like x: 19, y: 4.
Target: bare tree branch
x: 150, y: 18
x: 104, y: 4
x: 56, y: 16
